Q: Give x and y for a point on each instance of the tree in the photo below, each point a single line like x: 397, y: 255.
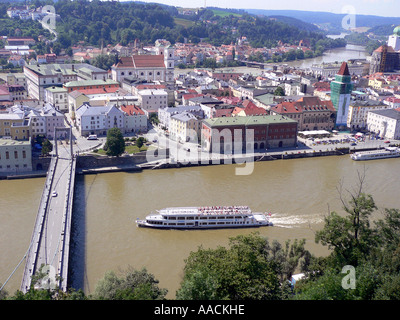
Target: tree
x: 351, y: 236
x: 115, y: 144
x: 140, y: 142
x: 279, y: 91
x: 250, y: 268
x: 130, y: 285
x: 47, y: 147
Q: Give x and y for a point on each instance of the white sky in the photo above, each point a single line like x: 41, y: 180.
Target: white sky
x: 388, y: 8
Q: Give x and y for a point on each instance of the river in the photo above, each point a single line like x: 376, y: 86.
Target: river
x: 298, y: 193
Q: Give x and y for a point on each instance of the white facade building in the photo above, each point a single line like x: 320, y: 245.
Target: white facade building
x: 98, y: 120
x: 58, y: 97
x: 385, y: 123
x: 152, y: 100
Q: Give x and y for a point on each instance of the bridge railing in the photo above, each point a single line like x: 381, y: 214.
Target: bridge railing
x: 30, y: 265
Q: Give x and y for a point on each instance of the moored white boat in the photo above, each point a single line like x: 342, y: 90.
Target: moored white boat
x: 205, y: 218
x: 388, y: 152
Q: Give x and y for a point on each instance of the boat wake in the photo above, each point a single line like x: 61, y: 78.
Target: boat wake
x: 286, y: 220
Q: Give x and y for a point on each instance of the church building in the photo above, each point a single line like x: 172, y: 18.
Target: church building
x: 148, y: 67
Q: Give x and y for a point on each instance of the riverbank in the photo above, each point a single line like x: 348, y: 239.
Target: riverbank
x: 138, y: 164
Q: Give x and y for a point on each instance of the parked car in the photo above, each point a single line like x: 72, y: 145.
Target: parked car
x: 92, y: 137
x: 54, y: 194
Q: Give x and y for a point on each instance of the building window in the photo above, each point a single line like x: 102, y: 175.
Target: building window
x: 7, y: 155
x: 15, y: 154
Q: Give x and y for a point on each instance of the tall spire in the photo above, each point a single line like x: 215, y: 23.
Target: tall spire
x: 344, y: 70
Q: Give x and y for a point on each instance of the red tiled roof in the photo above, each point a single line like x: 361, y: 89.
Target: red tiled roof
x: 143, y: 61
x: 312, y: 103
x: 344, y: 70
x: 132, y: 110
x: 382, y: 48
x: 98, y: 90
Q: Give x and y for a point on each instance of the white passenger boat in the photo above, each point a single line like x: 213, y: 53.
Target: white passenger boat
x: 388, y: 152
x: 205, y: 218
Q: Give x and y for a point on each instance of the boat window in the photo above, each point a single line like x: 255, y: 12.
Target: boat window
x: 212, y: 218
x: 172, y: 218
x: 181, y: 224
x: 220, y: 222
x: 172, y: 224
x: 212, y: 223
x: 203, y: 218
x: 189, y: 218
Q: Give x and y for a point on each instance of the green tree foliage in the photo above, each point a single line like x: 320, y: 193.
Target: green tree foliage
x: 251, y: 268
x: 105, y: 61
x: 373, y: 250
x: 47, y: 147
x: 279, y: 91
x: 115, y: 144
x: 130, y: 285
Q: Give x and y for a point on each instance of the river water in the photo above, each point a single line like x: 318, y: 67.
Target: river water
x: 298, y: 193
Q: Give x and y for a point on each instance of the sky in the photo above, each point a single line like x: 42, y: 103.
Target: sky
x: 386, y: 8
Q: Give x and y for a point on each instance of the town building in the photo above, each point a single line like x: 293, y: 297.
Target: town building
x: 384, y: 59
x: 151, y: 100
x: 14, y: 126
x: 165, y: 114
x: 75, y: 100
x: 185, y: 127
x: 341, y: 89
x: 358, y: 112
x: 106, y: 85
x: 98, y: 120
x: 385, y: 123
x: 258, y: 133
x: 149, y: 67
x: 41, y: 76
x: 15, y: 156
x: 58, y: 97
x: 394, y: 39
x: 311, y: 113
x: 135, y: 119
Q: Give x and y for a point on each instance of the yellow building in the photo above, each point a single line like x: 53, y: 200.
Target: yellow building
x: 185, y: 127
x: 14, y: 126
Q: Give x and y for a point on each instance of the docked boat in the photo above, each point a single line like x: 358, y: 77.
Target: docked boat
x: 388, y: 152
x: 205, y: 218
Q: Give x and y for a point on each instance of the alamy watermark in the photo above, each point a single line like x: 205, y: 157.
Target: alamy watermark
x: 49, y: 17
x: 349, y: 280
x: 222, y: 147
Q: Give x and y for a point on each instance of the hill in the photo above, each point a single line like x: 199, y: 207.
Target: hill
x: 327, y: 20
x: 94, y: 23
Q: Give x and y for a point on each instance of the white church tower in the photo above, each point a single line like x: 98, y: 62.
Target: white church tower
x: 163, y: 47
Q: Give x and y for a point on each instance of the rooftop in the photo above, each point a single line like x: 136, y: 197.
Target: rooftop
x: 64, y: 69
x: 247, y: 121
x: 81, y: 83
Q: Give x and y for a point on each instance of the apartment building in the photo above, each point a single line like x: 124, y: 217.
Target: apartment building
x: 41, y: 76
x: 97, y: 120
x: 15, y: 156
x: 152, y: 100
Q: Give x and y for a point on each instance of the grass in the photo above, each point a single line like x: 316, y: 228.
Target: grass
x: 222, y: 13
x: 183, y: 22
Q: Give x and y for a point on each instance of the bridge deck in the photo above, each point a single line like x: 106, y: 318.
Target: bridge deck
x: 51, y: 235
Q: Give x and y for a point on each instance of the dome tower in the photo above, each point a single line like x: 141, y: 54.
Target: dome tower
x: 394, y: 39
